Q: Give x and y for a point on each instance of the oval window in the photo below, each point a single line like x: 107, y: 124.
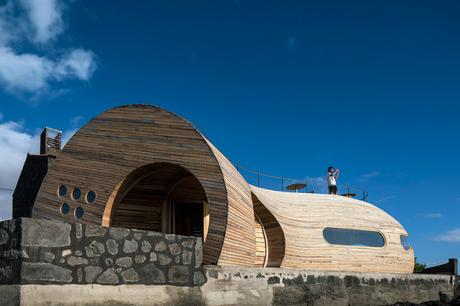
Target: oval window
x: 65, y: 208
x: 79, y: 212
x: 353, y: 237
x: 405, y: 242
x: 91, y: 197
x: 62, y: 191
x: 76, y: 194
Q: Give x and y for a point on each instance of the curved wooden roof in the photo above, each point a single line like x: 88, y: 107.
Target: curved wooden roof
x: 147, y: 147
x: 303, y: 216
x: 114, y: 144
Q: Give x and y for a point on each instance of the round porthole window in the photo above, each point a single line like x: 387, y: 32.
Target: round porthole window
x: 76, y: 194
x: 65, y: 208
x: 79, y: 212
x: 62, y: 191
x: 91, y: 197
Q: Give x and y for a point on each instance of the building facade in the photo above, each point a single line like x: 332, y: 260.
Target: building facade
x: 142, y: 167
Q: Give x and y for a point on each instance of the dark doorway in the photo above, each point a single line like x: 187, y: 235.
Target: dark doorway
x: 187, y: 219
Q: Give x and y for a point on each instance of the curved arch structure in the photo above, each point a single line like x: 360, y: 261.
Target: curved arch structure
x: 125, y: 139
x: 275, y: 241
x: 303, y: 217
x: 143, y: 163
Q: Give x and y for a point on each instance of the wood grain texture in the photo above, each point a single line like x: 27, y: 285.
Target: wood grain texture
x: 103, y: 154
x: 303, y: 216
x: 142, y: 206
x: 261, y: 244
x: 136, y: 157
x: 239, y: 245
x: 274, y: 236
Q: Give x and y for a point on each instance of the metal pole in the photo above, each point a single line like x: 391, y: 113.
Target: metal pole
x: 282, y: 184
x: 258, y: 179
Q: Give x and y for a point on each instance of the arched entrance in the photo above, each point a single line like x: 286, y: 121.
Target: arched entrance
x: 160, y: 197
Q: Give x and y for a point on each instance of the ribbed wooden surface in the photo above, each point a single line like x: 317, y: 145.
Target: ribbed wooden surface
x: 111, y: 146
x: 303, y: 217
x: 274, y: 236
x: 123, y: 155
x: 142, y: 207
x: 239, y: 245
x: 261, y: 245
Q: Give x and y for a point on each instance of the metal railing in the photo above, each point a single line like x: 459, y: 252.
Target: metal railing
x: 273, y: 182
x: 312, y: 185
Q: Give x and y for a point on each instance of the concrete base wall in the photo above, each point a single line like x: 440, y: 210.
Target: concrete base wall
x: 247, y: 286
x: 98, y: 295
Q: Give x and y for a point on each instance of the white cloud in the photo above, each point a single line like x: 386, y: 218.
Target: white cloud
x: 5, y: 205
x: 430, y: 215
x: 318, y: 184
x: 370, y: 175
x: 66, y: 135
x: 77, y: 64
x: 45, y: 19
x: 23, y: 72
x: 450, y: 236
x: 385, y: 199
x: 76, y: 121
x: 40, y: 22
x: 15, y: 143
x: 8, y: 28
x: 29, y: 72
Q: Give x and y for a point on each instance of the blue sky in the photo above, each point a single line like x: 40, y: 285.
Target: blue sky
x: 284, y: 87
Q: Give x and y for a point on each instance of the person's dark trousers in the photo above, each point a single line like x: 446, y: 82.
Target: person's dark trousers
x: 332, y: 189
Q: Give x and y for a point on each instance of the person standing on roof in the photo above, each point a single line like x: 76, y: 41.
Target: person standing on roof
x: 332, y: 176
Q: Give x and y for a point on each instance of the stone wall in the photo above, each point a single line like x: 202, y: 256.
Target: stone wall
x: 10, y: 252
x: 457, y: 287
x: 35, y: 251
x: 43, y: 261
x: 250, y: 286
x: 278, y: 286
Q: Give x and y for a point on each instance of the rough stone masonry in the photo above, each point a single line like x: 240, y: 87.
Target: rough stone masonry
x: 45, y: 263
x: 36, y: 251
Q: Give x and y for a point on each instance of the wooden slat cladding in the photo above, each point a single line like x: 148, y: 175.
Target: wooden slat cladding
x: 261, y: 244
x: 303, y: 217
x: 142, y: 206
x: 275, y: 241
x: 239, y: 245
x: 136, y: 156
x: 102, y: 154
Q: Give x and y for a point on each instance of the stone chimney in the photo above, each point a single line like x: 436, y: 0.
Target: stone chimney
x: 50, y: 141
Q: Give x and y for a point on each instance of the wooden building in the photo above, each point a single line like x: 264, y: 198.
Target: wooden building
x: 142, y: 167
